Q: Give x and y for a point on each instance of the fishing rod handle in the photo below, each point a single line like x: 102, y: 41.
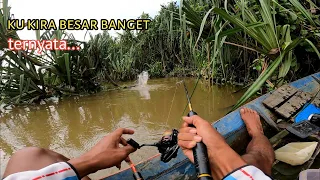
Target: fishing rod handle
x: 201, y: 160
x: 137, y: 176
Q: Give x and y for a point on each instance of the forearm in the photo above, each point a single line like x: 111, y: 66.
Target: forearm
x: 223, y: 159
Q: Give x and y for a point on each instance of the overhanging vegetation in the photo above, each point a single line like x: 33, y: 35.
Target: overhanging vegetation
x: 262, y: 43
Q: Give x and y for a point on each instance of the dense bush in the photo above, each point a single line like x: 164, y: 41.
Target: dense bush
x: 238, y: 41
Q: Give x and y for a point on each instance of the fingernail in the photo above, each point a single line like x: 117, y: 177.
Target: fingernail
x: 197, y: 138
x: 194, y: 131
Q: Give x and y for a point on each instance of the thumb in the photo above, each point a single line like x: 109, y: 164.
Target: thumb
x: 204, y: 128
x: 197, y: 121
x: 188, y: 120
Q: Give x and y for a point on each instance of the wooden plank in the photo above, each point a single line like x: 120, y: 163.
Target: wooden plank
x: 279, y: 96
x: 316, y: 102
x: 293, y: 104
x: 278, y: 137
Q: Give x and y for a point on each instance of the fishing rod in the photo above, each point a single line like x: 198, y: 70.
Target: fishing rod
x: 200, y: 154
x: 136, y: 174
x: 168, y: 148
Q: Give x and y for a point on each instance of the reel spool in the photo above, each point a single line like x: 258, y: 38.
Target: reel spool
x: 167, y: 146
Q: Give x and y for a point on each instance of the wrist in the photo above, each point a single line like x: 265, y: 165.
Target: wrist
x: 224, y: 162
x: 84, y: 165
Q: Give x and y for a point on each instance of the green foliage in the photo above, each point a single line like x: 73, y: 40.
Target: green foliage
x: 262, y: 31
x: 27, y: 77
x: 275, y: 40
x: 155, y: 69
x: 19, y: 79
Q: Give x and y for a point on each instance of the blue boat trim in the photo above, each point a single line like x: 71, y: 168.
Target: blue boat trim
x: 230, y: 126
x: 174, y: 167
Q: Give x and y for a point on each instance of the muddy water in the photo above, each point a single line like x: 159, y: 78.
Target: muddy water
x: 73, y: 125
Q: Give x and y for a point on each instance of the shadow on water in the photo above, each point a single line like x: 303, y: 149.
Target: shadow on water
x: 75, y: 124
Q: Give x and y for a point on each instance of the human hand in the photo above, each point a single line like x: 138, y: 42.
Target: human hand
x: 203, y: 131
x: 187, y: 139
x: 223, y: 159
x: 105, y: 154
x: 108, y: 152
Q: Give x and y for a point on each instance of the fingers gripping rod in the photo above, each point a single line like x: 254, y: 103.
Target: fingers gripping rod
x: 201, y: 160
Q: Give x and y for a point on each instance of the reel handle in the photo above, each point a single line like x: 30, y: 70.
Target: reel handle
x: 201, y: 160
x: 315, y: 119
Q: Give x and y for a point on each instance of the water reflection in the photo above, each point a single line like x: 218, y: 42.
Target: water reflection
x: 75, y: 124
x: 144, y: 92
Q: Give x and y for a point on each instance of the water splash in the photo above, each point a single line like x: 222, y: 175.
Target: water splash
x: 143, y: 78
x: 142, y: 86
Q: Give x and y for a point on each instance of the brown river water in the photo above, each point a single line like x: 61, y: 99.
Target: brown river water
x: 74, y: 124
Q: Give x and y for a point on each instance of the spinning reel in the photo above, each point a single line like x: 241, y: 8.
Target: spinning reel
x: 167, y: 146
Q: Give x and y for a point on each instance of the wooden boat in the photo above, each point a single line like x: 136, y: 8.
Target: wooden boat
x: 233, y: 129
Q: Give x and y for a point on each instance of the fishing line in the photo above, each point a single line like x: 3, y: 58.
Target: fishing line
x: 194, y: 88
x: 174, y: 95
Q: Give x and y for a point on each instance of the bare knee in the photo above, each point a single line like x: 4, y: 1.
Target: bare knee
x: 29, y: 151
x: 23, y: 160
x: 260, y: 160
x: 264, y: 155
x: 27, y: 155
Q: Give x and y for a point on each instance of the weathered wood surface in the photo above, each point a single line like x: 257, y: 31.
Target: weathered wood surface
x: 293, y: 104
x: 278, y: 137
x: 316, y: 102
x: 279, y: 96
